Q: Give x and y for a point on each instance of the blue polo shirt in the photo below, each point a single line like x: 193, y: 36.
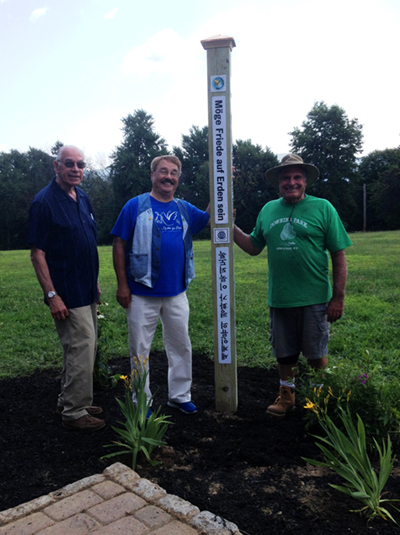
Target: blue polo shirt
x: 66, y: 231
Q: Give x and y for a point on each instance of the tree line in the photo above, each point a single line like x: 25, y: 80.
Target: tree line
x: 327, y: 138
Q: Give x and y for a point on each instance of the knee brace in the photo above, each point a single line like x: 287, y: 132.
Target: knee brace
x: 287, y: 361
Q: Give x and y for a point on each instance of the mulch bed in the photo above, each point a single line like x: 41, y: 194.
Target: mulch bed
x: 246, y: 467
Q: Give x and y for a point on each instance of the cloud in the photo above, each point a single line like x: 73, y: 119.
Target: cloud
x: 37, y: 13
x: 163, y: 52
x: 96, y: 131
x: 111, y: 14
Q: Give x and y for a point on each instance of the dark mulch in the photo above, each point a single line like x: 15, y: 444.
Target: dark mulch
x: 246, y: 467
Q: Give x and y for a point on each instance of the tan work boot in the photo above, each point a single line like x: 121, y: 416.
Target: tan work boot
x: 284, y: 403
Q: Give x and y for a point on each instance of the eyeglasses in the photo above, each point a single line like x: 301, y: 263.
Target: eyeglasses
x: 165, y: 172
x: 71, y: 164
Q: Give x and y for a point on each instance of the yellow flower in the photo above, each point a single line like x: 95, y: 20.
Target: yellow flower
x: 123, y: 377
x: 309, y: 405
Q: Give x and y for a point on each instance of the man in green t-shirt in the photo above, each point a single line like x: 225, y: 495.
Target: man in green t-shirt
x: 299, y: 230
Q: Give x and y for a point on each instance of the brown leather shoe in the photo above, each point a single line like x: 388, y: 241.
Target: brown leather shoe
x: 283, y: 404
x: 84, y: 423
x: 93, y: 410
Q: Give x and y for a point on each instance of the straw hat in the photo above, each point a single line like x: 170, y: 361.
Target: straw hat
x: 312, y: 172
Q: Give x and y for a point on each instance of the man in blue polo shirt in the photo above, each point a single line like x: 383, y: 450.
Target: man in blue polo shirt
x: 63, y: 239
x: 153, y: 261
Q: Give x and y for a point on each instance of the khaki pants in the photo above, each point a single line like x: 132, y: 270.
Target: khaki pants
x: 78, y: 337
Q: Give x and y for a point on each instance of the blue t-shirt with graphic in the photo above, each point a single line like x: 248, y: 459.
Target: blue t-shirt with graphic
x: 171, y: 280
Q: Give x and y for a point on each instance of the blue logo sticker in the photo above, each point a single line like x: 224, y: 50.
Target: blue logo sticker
x: 218, y: 83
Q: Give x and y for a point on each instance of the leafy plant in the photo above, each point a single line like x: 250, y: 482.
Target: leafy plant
x: 143, y: 430
x: 346, y: 454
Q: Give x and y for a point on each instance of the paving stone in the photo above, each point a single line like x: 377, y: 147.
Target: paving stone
x: 214, y: 524
x: 73, y: 504
x: 153, y: 517
x: 84, y: 483
x: 80, y: 524
x: 108, y: 489
x: 129, y: 477
x: 181, y: 508
x: 116, y: 469
x: 126, y: 526
x: 147, y: 490
x: 117, y: 507
x: 24, y: 509
x: 28, y: 525
x: 175, y: 528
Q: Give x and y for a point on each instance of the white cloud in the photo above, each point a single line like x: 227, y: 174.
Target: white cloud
x: 111, y: 14
x: 280, y: 70
x: 163, y: 52
x: 37, y: 13
x: 97, y: 131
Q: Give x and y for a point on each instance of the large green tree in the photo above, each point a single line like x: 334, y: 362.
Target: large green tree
x: 251, y: 188
x: 97, y: 185
x: 22, y: 175
x: 194, y: 183
x: 332, y: 142
x: 387, y: 197
x: 379, y: 171
x: 130, y: 167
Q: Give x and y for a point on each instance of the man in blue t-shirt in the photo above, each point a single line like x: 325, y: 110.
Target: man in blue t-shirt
x: 63, y: 239
x: 153, y: 262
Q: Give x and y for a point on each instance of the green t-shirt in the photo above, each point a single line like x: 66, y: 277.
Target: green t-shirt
x: 298, y: 261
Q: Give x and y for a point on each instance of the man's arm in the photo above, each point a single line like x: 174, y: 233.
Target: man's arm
x: 339, y: 274
x: 57, y: 307
x: 243, y: 240
x: 123, y: 291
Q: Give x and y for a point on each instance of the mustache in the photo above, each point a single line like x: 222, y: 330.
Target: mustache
x: 167, y: 181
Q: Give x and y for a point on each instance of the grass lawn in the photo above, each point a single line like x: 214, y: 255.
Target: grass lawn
x: 371, y: 322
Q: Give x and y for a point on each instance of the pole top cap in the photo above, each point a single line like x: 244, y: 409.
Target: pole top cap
x: 218, y: 41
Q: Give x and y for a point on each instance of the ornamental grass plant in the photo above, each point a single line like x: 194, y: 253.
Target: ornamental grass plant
x: 345, y: 452
x: 143, y: 429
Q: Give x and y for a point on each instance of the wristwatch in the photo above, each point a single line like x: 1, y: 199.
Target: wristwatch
x: 51, y: 294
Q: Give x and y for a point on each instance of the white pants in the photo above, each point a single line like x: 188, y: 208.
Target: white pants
x: 78, y: 337
x: 143, y: 314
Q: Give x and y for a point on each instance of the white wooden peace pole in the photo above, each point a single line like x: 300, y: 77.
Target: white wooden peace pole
x: 219, y: 50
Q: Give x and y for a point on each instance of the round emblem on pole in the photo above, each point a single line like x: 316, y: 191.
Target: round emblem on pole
x: 218, y: 83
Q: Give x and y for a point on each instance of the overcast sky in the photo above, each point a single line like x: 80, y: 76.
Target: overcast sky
x: 71, y: 69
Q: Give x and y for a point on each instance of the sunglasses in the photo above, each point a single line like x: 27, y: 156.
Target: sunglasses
x: 70, y: 164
